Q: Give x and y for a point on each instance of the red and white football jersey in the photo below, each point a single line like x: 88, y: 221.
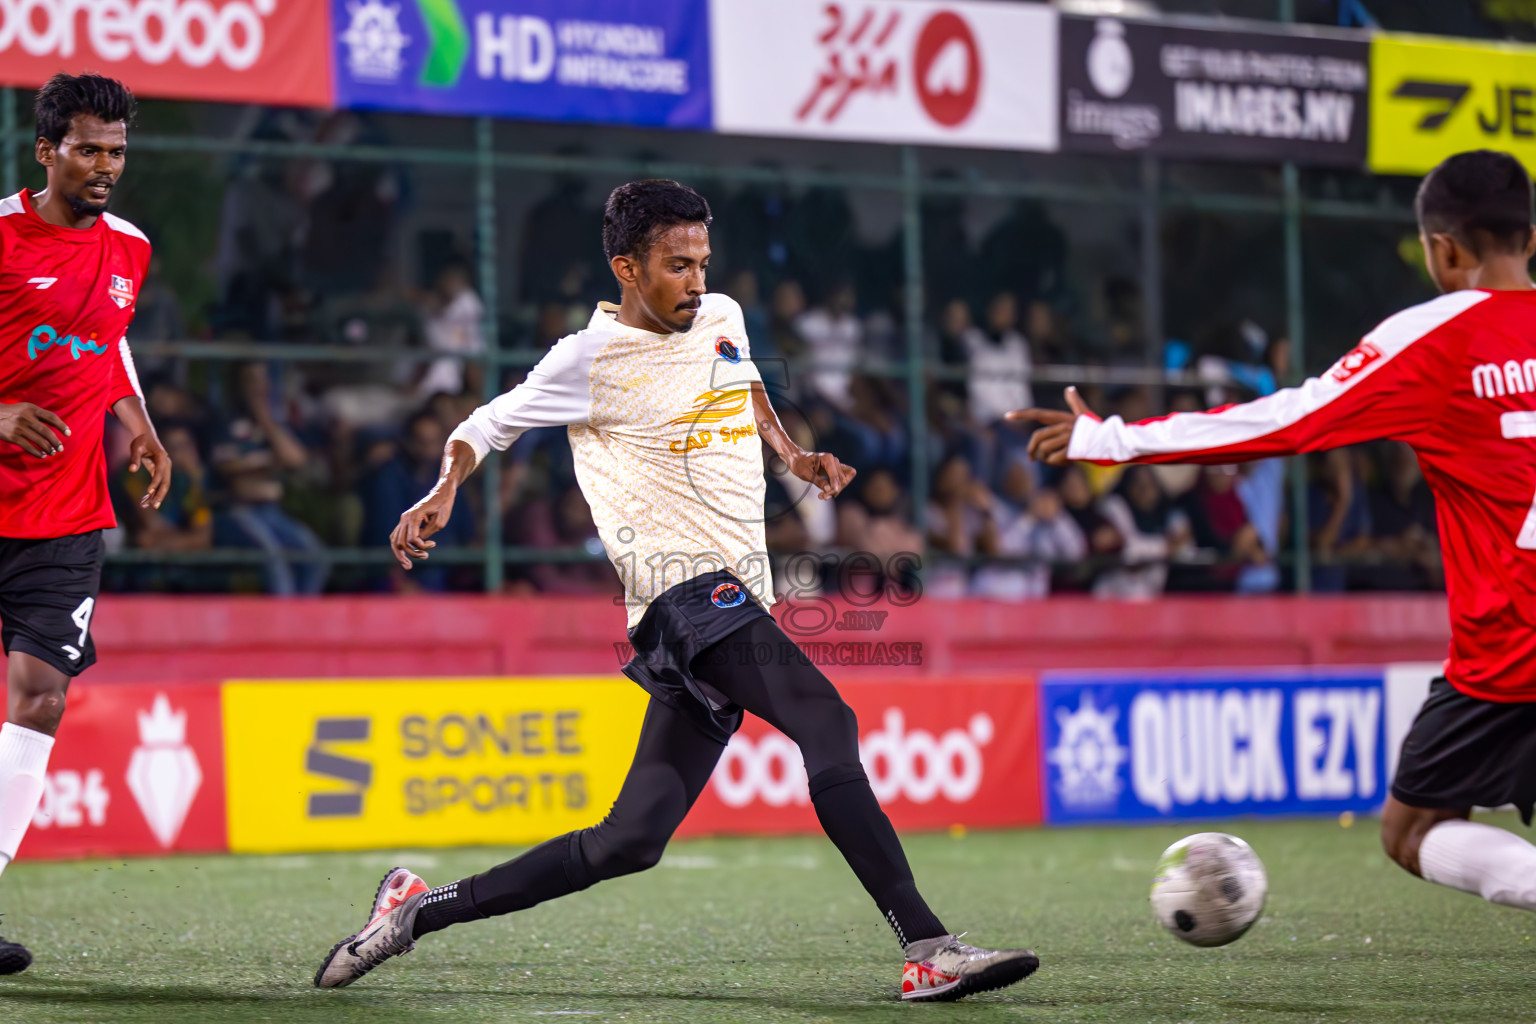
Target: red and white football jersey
x: 1455, y: 378
x: 66, y: 297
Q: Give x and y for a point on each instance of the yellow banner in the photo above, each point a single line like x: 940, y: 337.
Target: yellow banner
x: 326, y: 765
x: 1432, y: 97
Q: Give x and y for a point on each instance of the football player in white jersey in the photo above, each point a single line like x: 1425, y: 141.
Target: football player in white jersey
x: 664, y: 410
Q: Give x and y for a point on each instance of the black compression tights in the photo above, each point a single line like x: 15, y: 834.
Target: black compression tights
x: 672, y: 764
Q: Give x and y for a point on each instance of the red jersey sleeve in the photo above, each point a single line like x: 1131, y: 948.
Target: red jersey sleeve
x: 125, y: 379
x: 1392, y: 385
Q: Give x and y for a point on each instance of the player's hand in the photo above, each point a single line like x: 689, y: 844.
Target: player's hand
x: 420, y: 521
x: 824, y: 470
x: 147, y: 451
x: 1049, y: 443
x: 34, y: 430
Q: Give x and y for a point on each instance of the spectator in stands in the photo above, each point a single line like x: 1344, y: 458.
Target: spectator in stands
x: 877, y: 518
x: 1045, y: 535
x: 1152, y: 531
x: 560, y: 522
x: 183, y: 522
x: 871, y: 431
x: 961, y: 524
x: 1338, y: 517
x: 398, y: 484
x: 252, y: 458
x: 1220, y: 525
x: 1403, y: 524
x: 1103, y: 539
x: 834, y: 339
x: 454, y: 326
x: 997, y: 364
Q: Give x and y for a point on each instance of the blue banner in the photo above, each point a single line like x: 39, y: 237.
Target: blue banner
x: 599, y: 61
x: 1149, y: 747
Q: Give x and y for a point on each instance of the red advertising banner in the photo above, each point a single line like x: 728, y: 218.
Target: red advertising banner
x: 136, y: 769
x: 238, y: 51
x: 938, y: 753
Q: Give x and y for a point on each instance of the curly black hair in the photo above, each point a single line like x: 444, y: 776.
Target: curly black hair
x: 637, y: 214
x: 65, y: 96
x: 1481, y: 197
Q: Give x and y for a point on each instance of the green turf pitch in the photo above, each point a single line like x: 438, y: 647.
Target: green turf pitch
x: 776, y: 930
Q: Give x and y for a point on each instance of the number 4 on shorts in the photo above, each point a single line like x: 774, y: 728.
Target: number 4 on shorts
x: 82, y: 617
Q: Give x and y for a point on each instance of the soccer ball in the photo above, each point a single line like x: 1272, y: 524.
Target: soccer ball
x: 1209, y: 888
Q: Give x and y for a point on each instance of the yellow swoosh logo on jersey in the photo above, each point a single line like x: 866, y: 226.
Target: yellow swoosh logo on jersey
x: 714, y: 406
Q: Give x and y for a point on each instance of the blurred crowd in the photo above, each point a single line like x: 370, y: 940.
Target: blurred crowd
x: 294, y: 464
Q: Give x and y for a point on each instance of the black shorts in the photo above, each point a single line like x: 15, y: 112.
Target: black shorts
x: 48, y: 593
x: 1466, y: 752
x: 678, y: 625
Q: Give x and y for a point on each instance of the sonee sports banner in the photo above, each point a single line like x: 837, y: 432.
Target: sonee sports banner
x: 1189, y: 93
x: 360, y: 764
x: 1212, y: 745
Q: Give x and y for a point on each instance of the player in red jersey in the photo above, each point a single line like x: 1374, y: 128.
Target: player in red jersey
x: 1455, y: 378
x: 69, y: 272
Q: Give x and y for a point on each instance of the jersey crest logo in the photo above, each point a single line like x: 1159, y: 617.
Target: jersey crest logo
x: 1355, y: 361
x: 714, y: 406
x: 727, y: 350
x: 728, y: 595
x: 121, y: 291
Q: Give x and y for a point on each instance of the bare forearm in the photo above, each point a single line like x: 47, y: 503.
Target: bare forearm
x: 131, y: 413
x: 458, y: 464
x: 768, y: 425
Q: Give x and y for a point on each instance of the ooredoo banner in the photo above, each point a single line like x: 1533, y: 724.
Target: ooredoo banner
x: 937, y: 752
x: 361, y: 764
x: 958, y: 74
x: 136, y: 769
x: 1137, y: 747
x: 239, y: 51
x: 1174, y: 90
x: 602, y: 61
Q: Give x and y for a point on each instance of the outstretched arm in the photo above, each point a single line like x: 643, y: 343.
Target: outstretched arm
x: 1392, y: 385
x: 820, y: 468
x: 555, y: 394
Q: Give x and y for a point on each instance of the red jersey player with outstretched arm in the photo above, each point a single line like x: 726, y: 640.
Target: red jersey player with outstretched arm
x: 69, y: 272
x: 1455, y: 378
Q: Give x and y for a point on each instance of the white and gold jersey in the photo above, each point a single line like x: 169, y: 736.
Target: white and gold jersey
x: 665, y: 444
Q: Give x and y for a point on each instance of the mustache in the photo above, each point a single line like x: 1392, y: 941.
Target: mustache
x: 694, y: 305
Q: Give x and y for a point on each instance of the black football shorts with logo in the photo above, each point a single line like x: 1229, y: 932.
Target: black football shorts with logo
x: 683, y: 621
x: 48, y: 594
x: 1467, y: 752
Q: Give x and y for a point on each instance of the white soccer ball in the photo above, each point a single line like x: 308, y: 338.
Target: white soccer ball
x: 1209, y: 888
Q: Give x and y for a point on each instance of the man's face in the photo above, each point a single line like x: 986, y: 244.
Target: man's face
x: 671, y: 276
x: 83, y: 168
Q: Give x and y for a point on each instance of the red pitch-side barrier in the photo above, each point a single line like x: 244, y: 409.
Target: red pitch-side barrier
x: 145, y: 639
x: 945, y: 692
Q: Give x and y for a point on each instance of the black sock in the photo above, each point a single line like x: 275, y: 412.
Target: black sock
x: 543, y: 873
x: 443, y: 906
x: 853, y: 820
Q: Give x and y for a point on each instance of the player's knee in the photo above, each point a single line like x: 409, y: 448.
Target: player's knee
x: 629, y: 853
x: 38, y: 710
x: 1394, y: 840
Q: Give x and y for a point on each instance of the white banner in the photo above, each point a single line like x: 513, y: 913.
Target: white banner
x: 953, y: 74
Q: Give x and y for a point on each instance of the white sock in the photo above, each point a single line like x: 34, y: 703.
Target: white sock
x: 1489, y: 862
x: 23, y: 763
